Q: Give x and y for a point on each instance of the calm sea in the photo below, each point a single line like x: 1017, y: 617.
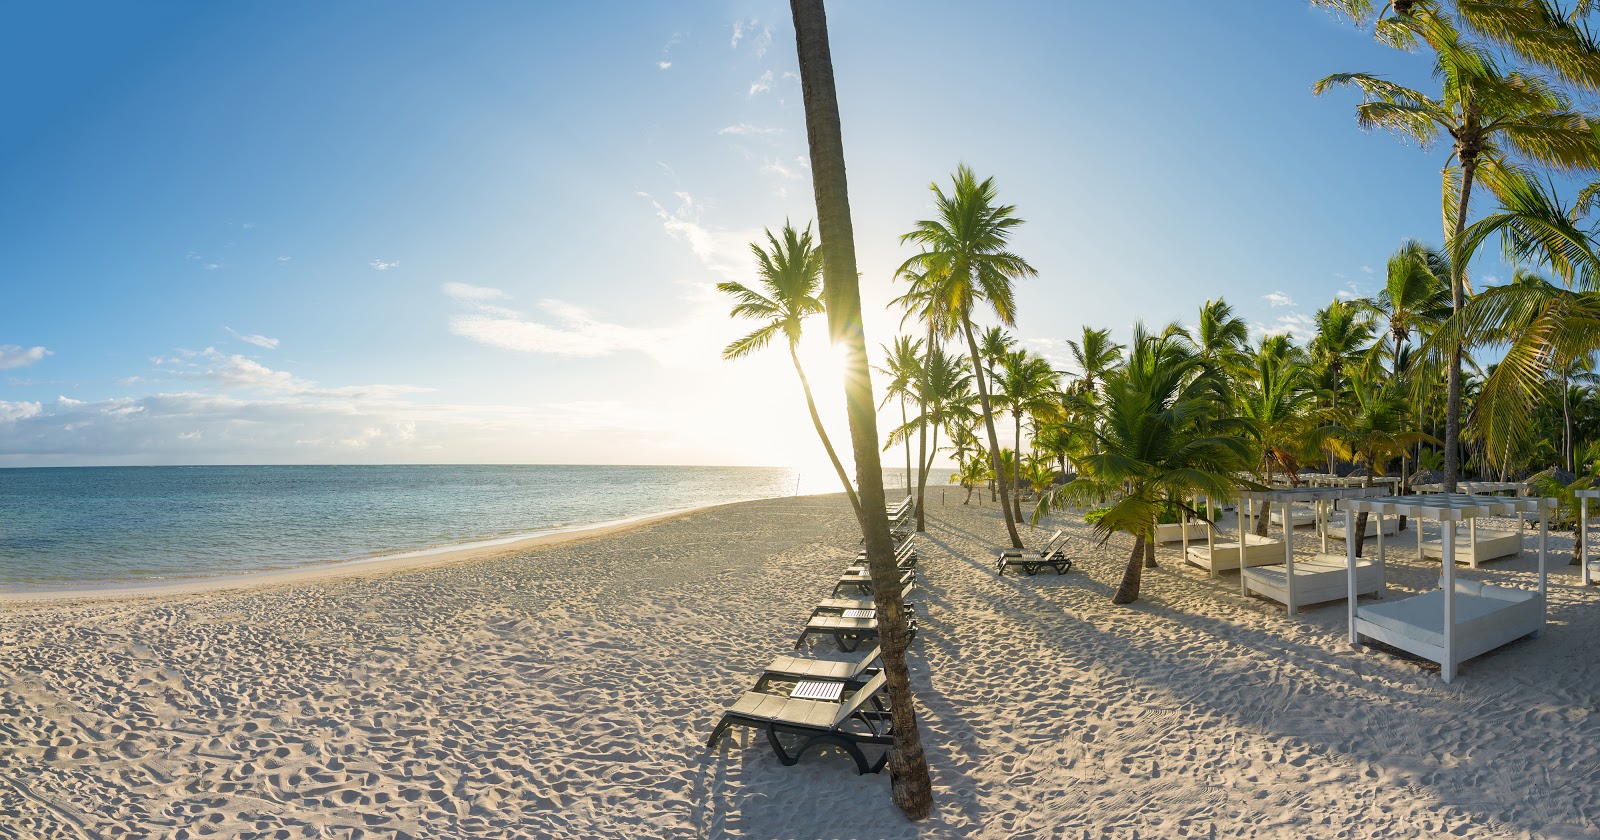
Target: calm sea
x: 65, y: 527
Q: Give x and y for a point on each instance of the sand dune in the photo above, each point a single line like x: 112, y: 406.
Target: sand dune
x: 566, y: 690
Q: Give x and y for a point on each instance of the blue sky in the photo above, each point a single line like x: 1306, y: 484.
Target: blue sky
x: 488, y: 232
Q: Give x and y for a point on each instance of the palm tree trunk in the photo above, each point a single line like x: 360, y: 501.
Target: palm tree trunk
x: 988, y: 425
x: 908, y: 444
x: 1360, y: 536
x: 1566, y: 425
x: 1452, y: 411
x: 1128, y: 590
x: 1150, y: 552
x: 1016, y: 473
x: 910, y: 786
x: 922, y: 433
x: 816, y: 421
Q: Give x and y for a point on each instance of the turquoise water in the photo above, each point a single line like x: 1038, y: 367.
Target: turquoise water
x: 65, y: 527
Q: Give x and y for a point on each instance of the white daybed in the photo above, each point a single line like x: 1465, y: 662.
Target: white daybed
x: 1175, y: 531
x: 1316, y: 580
x: 1390, y: 527
x: 1457, y: 621
x: 1301, y: 516
x: 1476, y: 545
x: 1297, y: 583
x: 1217, y: 557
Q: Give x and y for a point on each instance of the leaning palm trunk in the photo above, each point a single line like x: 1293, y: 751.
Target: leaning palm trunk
x: 816, y: 420
x: 911, y: 788
x: 994, y: 440
x: 1128, y: 590
x: 1452, y: 411
x: 1360, y: 536
x: 1150, y: 553
x: 922, y: 434
x: 1016, y: 473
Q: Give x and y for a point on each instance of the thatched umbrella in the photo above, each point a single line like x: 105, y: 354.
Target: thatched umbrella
x: 1558, y: 474
x: 1429, y: 476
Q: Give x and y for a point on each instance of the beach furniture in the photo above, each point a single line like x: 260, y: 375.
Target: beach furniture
x: 1475, y: 545
x: 860, y: 580
x: 1299, y: 515
x: 1589, y: 567
x: 1251, y: 550
x: 1033, y: 561
x: 1460, y: 619
x: 1317, y: 580
x: 905, y: 556
x: 1335, y: 527
x: 1180, y: 531
x: 849, y: 628
x: 797, y: 669
x: 839, y: 605
x: 853, y: 721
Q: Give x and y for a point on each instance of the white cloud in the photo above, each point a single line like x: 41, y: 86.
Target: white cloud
x: 384, y: 265
x: 1296, y: 324
x: 213, y: 266
x: 469, y: 292
x: 12, y: 356
x: 574, y: 332
x: 739, y: 30
x: 1277, y: 299
x: 782, y: 170
x: 760, y: 40
x: 126, y: 381
x: 284, y: 259
x: 1366, y: 269
x: 724, y: 252
x: 10, y: 412
x: 257, y: 340
x: 666, y: 51
x: 762, y: 84
x: 664, y: 65
x: 748, y: 130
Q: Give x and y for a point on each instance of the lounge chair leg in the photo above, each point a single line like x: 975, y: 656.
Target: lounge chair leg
x: 848, y: 643
x: 722, y: 726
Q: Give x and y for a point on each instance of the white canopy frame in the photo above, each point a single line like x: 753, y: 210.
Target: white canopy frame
x: 1287, y: 496
x: 1504, y: 615
x: 1582, y: 550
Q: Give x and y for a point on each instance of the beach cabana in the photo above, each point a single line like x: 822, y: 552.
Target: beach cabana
x: 1315, y: 579
x: 1588, y: 568
x: 1480, y: 544
x: 1460, y: 619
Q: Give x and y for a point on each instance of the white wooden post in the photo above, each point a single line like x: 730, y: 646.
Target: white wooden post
x: 1583, y: 538
x: 1322, y: 508
x: 1183, y: 528
x: 1448, y: 551
x: 1211, y: 539
x: 1288, y: 553
x: 1383, y: 570
x: 1472, y: 529
x: 1350, y: 571
x: 1544, y: 548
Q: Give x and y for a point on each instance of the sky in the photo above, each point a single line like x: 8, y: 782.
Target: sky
x: 409, y: 232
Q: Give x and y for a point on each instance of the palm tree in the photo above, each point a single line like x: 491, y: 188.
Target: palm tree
x: 790, y: 272
x: 1493, y: 118
x: 1095, y: 354
x: 1342, y: 332
x: 1026, y: 386
x: 948, y: 403
x: 1220, y: 338
x: 910, y: 785
x: 1545, y: 330
x: 1161, y: 437
x: 903, y: 366
x: 1276, y: 404
x: 1415, y: 297
x: 966, y: 249
x: 1371, y: 432
x: 923, y: 302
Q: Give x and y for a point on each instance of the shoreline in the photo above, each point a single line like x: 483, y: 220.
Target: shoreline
x: 407, y: 561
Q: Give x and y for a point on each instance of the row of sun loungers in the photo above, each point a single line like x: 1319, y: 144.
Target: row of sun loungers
x: 837, y: 703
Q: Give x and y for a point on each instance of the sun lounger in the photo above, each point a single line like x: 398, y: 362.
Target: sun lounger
x: 798, y: 668
x: 860, y: 580
x: 1032, y: 562
x: 839, y: 605
x: 905, y: 556
x: 849, y: 628
x: 859, y: 719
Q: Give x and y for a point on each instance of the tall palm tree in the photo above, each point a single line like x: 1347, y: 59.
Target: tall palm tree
x: 947, y: 403
x: 1276, y: 404
x: 903, y: 366
x: 1027, y: 385
x: 1162, y: 436
x: 965, y: 246
x: 1371, y: 431
x: 1220, y: 338
x: 923, y: 303
x: 1494, y: 119
x: 1415, y: 297
x: 1342, y: 332
x: 1095, y: 354
x: 910, y: 785
x: 790, y: 272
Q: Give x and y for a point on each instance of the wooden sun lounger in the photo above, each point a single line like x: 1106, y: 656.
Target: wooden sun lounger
x: 860, y: 580
x: 905, y: 556
x: 798, y: 668
x: 860, y: 719
x: 850, y: 628
x: 834, y: 605
x: 1031, y: 562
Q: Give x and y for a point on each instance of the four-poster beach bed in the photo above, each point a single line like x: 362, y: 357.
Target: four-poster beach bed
x: 1313, y: 580
x: 1460, y: 619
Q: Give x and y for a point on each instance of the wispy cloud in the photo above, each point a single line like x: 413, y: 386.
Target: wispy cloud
x: 760, y: 36
x: 665, y: 62
x: 567, y: 330
x: 257, y: 340
x: 725, y: 252
x: 384, y: 265
x: 1296, y: 324
x: 12, y: 356
x: 1277, y: 299
x: 469, y: 292
x: 1367, y: 269
x: 748, y: 130
x: 284, y: 259
x: 762, y: 84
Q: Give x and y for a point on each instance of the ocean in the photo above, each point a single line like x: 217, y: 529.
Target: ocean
x: 95, y: 526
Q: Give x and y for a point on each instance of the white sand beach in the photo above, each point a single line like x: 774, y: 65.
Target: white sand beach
x: 566, y: 690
